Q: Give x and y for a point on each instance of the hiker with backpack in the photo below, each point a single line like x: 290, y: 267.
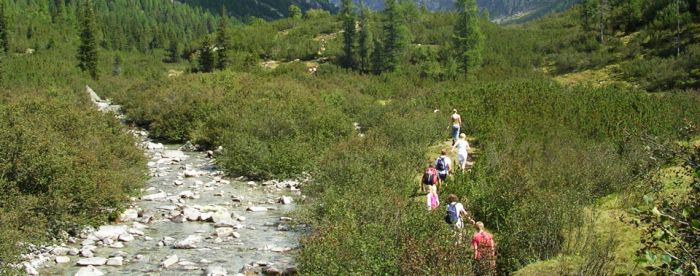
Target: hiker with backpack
x: 433, y: 201
x: 430, y: 178
x: 456, y: 124
x: 443, y: 164
x: 462, y: 147
x: 455, y: 212
x: 484, y: 251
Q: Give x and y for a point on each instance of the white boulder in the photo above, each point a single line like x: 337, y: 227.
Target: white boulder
x: 94, y: 261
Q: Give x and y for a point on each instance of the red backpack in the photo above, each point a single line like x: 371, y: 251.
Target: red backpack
x: 430, y: 176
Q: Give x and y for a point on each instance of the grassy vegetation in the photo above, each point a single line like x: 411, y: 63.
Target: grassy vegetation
x: 557, y: 163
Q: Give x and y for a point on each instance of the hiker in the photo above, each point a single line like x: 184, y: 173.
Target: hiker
x: 456, y: 123
x: 430, y: 178
x: 484, y: 251
x: 443, y: 164
x: 432, y: 199
x: 462, y: 147
x: 455, y: 212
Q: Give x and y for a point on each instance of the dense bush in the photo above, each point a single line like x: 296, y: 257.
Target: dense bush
x: 62, y: 165
x: 660, y: 74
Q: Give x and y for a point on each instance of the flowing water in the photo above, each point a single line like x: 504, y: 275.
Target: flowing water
x: 264, y: 235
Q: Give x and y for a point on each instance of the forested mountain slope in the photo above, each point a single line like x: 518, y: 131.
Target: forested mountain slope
x: 500, y: 10
x: 123, y: 24
x: 267, y: 9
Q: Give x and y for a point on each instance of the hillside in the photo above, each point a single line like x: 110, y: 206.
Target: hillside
x: 266, y: 9
x: 499, y: 10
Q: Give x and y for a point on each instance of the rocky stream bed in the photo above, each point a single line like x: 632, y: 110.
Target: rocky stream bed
x: 190, y: 220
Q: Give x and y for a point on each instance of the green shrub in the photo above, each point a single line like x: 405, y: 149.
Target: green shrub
x: 62, y: 165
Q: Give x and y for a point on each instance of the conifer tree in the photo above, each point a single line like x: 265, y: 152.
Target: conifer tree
x: 4, y: 43
x: 206, y: 57
x: 174, y: 51
x: 59, y: 7
x: 378, y: 65
x: 365, y: 43
x: 395, y: 36
x: 117, y: 66
x: 223, y: 42
x: 468, y: 39
x: 294, y: 12
x: 87, y: 52
x: 347, y: 16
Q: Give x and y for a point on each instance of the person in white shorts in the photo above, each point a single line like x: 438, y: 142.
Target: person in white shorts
x: 462, y: 147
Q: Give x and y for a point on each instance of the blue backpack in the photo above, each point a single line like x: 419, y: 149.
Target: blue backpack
x: 440, y: 164
x: 452, y: 217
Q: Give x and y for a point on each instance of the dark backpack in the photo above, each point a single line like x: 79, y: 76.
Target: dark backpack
x: 440, y: 164
x: 429, y: 176
x: 451, y: 217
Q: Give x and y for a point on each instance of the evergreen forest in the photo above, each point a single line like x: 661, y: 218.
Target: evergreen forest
x: 584, y: 126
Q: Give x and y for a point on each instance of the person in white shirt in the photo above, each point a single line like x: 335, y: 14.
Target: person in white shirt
x: 462, y: 147
x: 455, y: 212
x: 443, y: 164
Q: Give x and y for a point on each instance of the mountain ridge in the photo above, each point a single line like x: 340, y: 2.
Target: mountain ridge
x: 500, y: 10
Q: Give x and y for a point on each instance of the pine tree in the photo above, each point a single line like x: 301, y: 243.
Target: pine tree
x: 4, y: 43
x: 206, y: 57
x: 58, y: 10
x: 468, y: 41
x: 347, y: 16
x: 174, y: 51
x: 223, y: 42
x: 294, y: 12
x: 87, y: 52
x: 117, y: 66
x: 395, y: 36
x: 378, y: 65
x: 365, y: 43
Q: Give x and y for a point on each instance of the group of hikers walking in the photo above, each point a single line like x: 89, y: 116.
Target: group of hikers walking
x: 436, y: 175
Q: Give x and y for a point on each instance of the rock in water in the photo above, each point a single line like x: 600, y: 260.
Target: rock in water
x: 224, y: 232
x: 256, y: 209
x: 110, y: 231
x: 191, y: 214
x: 170, y: 260
x: 129, y: 215
x: 188, y: 147
x: 187, y: 195
x: 62, y: 259
x: 60, y: 251
x: 89, y: 271
x: 190, y: 173
x: 95, y: 261
x: 221, y: 215
x: 30, y: 270
x: 154, y: 197
x: 188, y: 243
x: 216, y: 271
x: 126, y: 237
x: 116, y: 261
x: 286, y: 200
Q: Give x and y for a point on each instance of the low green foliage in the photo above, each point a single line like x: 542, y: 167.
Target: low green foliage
x: 62, y: 165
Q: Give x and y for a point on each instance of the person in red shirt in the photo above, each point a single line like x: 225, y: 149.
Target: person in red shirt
x: 484, y: 251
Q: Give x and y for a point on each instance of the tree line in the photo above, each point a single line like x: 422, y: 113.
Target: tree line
x: 367, y: 52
